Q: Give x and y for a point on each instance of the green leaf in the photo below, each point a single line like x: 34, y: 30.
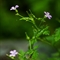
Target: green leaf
x: 33, y: 41
x: 21, y: 53
x: 35, y: 47
x: 40, y: 32
x: 35, y: 55
x: 57, y: 34
x: 30, y: 51
x: 50, y: 38
x: 46, y: 32
x: 26, y: 18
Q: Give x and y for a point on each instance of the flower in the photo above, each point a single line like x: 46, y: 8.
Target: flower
x: 14, y: 8
x: 13, y: 53
x: 47, y: 14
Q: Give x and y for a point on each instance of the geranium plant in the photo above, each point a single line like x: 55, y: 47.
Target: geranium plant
x: 38, y: 31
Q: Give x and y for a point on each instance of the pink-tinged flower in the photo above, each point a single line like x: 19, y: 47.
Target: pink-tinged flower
x: 47, y: 14
x: 14, y: 8
x: 13, y: 53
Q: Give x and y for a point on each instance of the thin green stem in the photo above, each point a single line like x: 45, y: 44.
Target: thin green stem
x: 35, y: 24
x: 30, y: 44
x: 42, y: 20
x: 19, y: 15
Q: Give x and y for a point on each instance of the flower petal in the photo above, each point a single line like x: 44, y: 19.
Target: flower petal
x: 16, y: 6
x: 13, y: 8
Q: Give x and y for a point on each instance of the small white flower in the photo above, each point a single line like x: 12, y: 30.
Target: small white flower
x: 13, y: 53
x: 14, y: 8
x: 47, y: 14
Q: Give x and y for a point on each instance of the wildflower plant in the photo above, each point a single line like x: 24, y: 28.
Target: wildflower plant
x: 38, y: 31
